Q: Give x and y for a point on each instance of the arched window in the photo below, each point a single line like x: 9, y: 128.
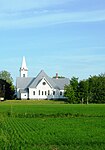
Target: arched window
x: 48, y: 92
x: 42, y: 92
x: 53, y: 92
x: 39, y: 92
x: 23, y: 75
x: 33, y: 92
x: 61, y: 93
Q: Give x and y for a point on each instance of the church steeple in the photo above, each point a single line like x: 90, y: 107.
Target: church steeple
x: 23, y: 69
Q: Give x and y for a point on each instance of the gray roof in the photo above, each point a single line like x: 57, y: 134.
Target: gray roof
x: 26, y: 82
x: 61, y: 82
x: 23, y: 82
x: 23, y: 91
x: 39, y: 77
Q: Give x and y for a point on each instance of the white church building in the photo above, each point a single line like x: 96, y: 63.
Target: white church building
x: 40, y: 87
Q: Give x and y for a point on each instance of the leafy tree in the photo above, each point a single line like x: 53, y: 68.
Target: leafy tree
x: 6, y: 90
x: 74, y: 84
x: 69, y: 93
x: 6, y: 81
x: 97, y: 88
x: 5, y: 75
x: 91, y: 90
x: 71, y: 90
x: 83, y: 91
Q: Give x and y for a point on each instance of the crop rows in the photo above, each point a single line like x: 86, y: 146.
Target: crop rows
x: 52, y: 110
x: 47, y: 133
x: 52, y: 127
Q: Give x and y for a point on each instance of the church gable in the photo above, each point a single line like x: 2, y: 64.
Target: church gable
x: 43, y: 90
x: 44, y: 84
x: 39, y: 77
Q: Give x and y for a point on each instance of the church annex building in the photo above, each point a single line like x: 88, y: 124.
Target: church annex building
x: 40, y: 87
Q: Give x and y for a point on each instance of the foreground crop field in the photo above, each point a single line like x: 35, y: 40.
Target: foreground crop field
x: 42, y: 125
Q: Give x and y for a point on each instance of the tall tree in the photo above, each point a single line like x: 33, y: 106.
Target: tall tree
x: 74, y: 84
x: 97, y: 88
x: 69, y: 93
x: 83, y: 91
x: 91, y: 90
x: 6, y: 90
x: 5, y: 75
x: 71, y: 90
x: 6, y: 81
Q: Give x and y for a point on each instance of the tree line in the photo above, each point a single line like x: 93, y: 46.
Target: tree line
x: 91, y: 90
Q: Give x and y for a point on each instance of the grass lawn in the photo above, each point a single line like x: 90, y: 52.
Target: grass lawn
x: 51, y: 125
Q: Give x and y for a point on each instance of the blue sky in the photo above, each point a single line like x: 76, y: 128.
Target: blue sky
x: 64, y: 36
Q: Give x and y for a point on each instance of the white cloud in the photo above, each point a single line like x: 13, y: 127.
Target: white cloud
x: 50, y: 18
x: 22, y: 5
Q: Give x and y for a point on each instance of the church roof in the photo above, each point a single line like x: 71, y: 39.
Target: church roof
x: 40, y: 76
x: 61, y: 82
x: 24, y: 83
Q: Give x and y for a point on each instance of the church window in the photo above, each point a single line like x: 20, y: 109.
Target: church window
x: 45, y: 93
x: 42, y: 92
x: 61, y: 93
x: 44, y: 83
x: 23, y: 75
x: 39, y: 92
x: 33, y: 92
x: 48, y: 92
x: 53, y: 92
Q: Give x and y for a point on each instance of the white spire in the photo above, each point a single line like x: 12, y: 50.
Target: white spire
x: 23, y: 69
x: 24, y: 66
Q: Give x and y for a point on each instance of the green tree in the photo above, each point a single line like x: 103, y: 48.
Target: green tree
x: 83, y: 91
x: 7, y: 80
x: 74, y: 84
x: 69, y: 93
x: 91, y: 90
x: 71, y: 90
x: 5, y: 75
x: 97, y: 88
x: 6, y: 90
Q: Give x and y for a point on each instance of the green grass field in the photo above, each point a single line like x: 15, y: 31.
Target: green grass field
x: 51, y: 125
